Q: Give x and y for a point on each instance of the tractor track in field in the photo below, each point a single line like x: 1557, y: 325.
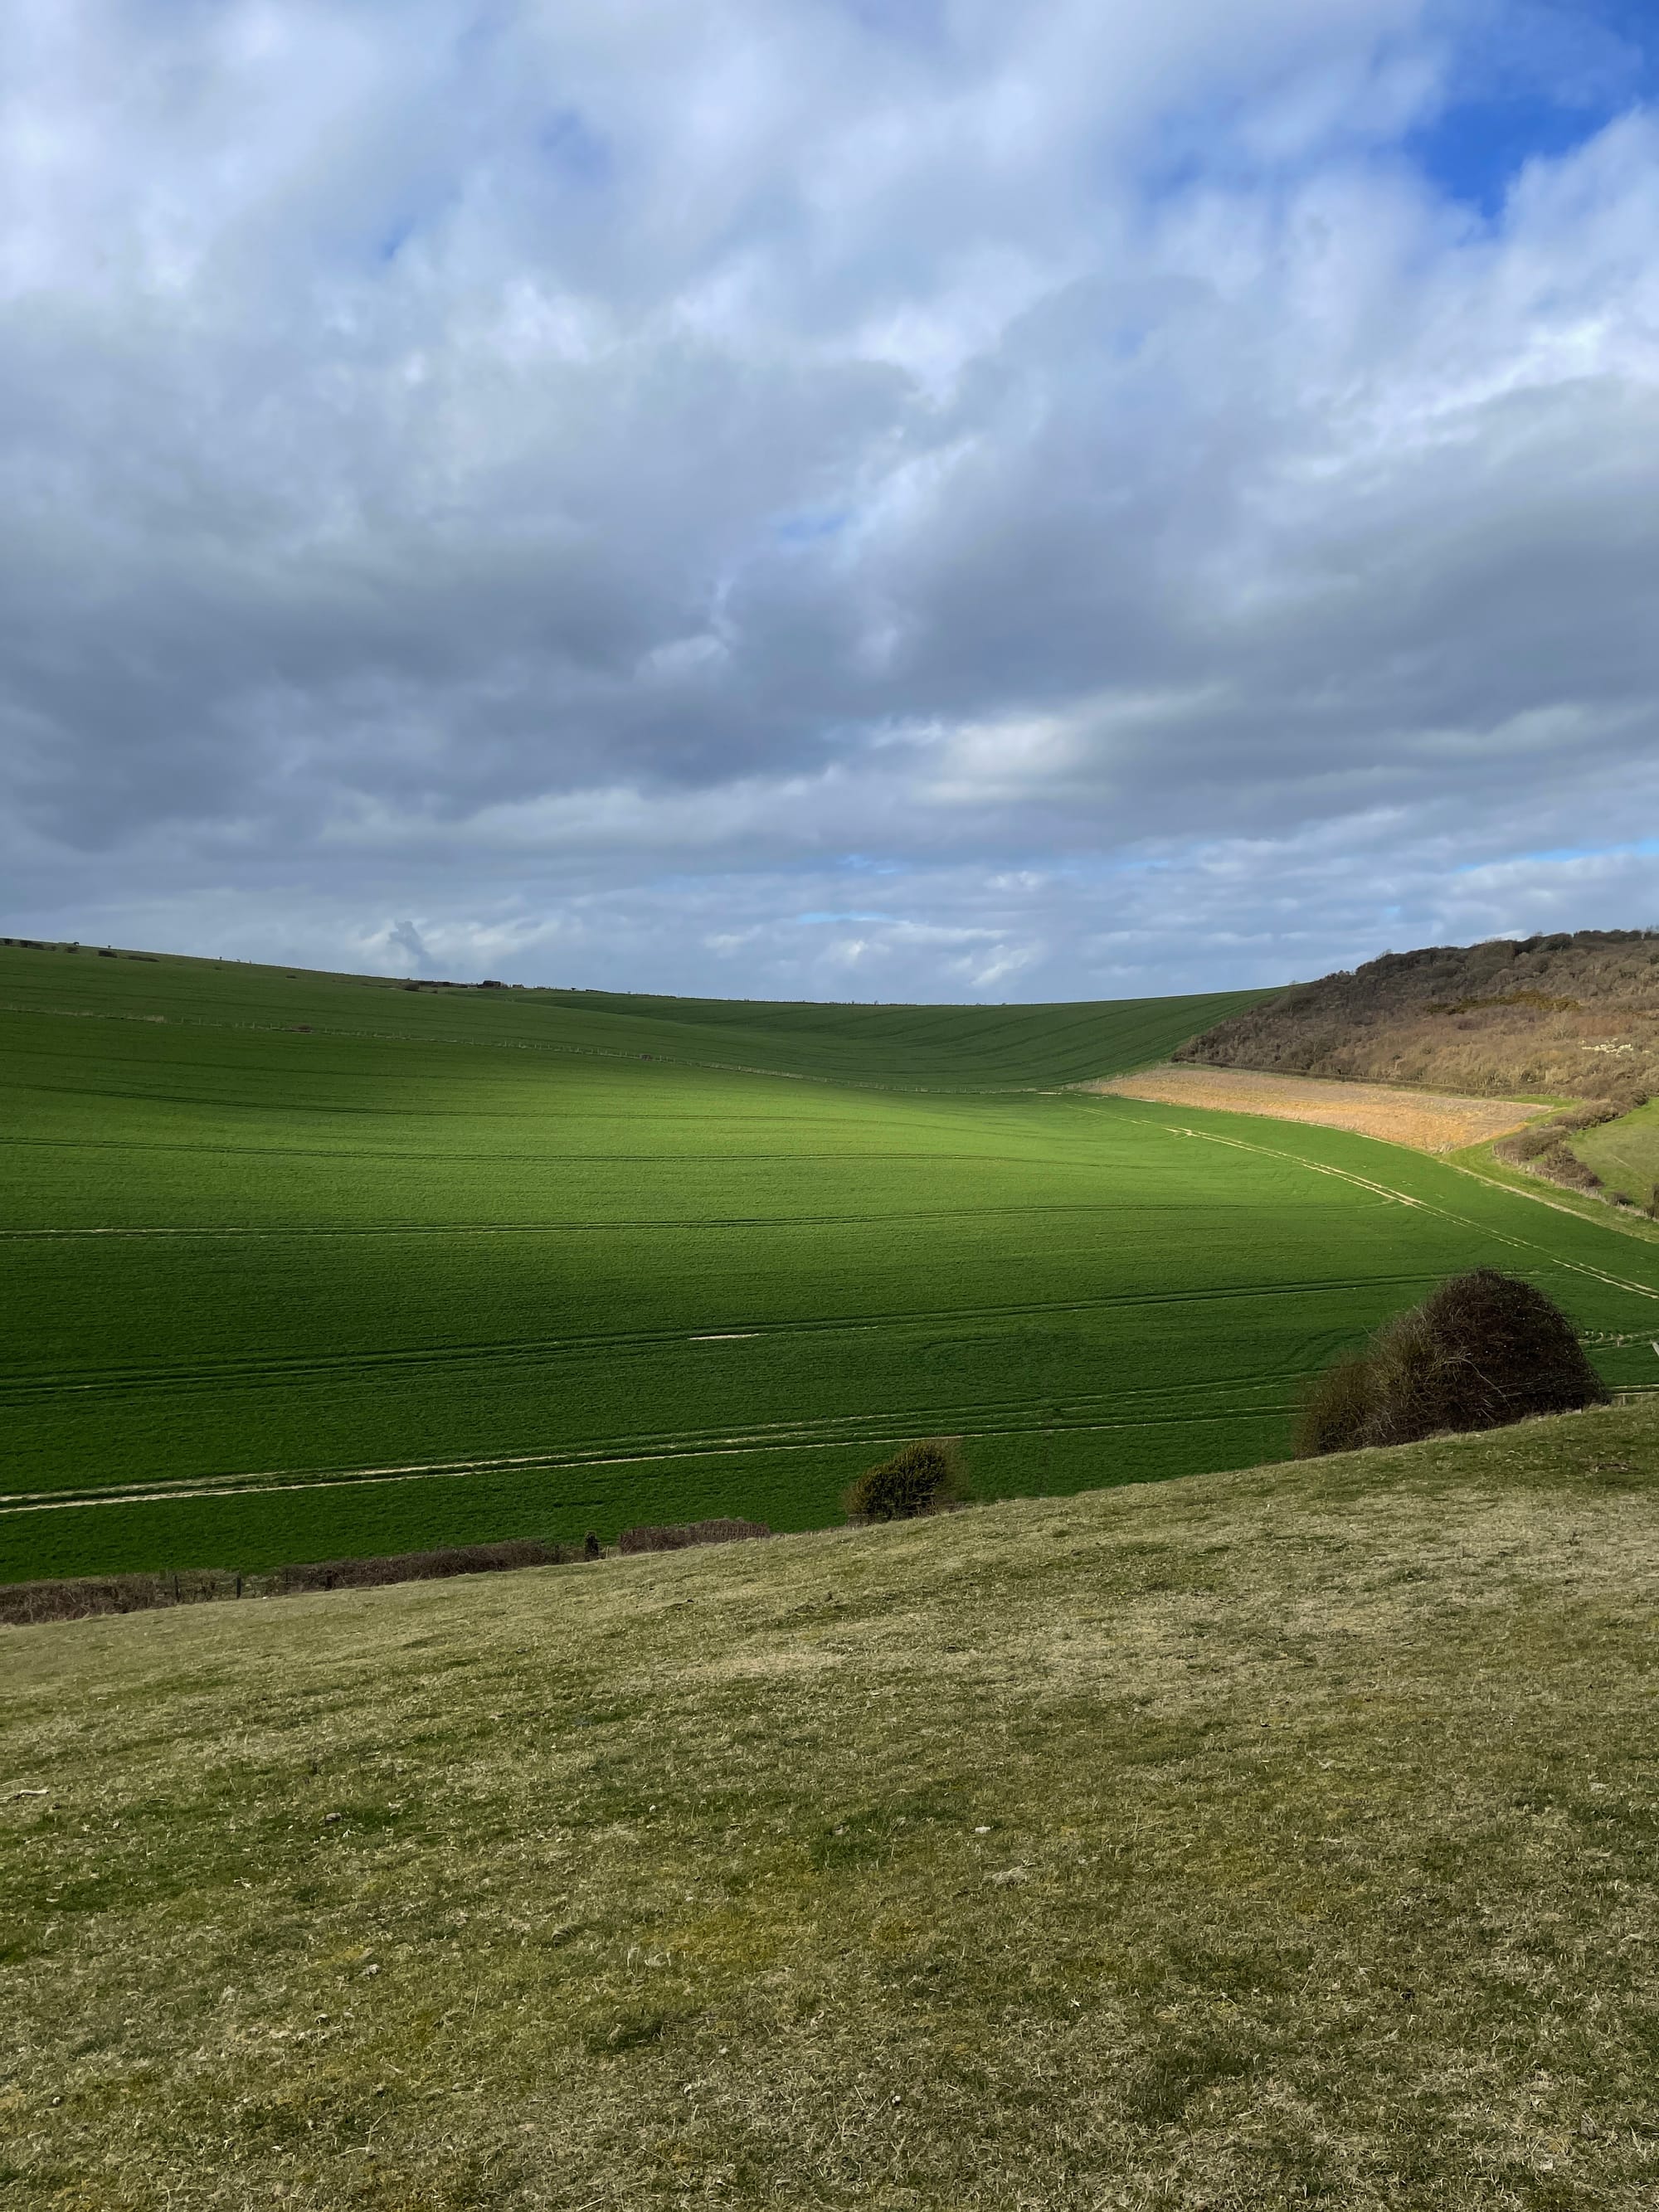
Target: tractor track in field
x: 1427, y: 1205
x: 254, y: 1373
x: 1114, y: 1210
x: 864, y: 1431
x: 733, y: 1155
x: 826, y: 1428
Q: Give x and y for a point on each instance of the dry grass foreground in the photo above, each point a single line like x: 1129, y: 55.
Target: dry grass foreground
x: 1239, y: 1842
x: 1424, y: 1121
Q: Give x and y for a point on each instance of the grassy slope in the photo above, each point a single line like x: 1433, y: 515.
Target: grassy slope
x: 1278, y: 1837
x: 921, y: 1047
x: 1590, y: 1206
x: 1624, y: 1153
x: 657, y: 1292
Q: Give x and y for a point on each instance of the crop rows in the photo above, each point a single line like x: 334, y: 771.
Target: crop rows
x: 275, y: 1296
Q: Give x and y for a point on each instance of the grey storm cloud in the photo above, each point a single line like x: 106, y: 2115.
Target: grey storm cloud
x: 867, y: 500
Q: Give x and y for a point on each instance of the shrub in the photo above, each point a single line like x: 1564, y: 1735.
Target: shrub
x: 1334, y: 1409
x: 1566, y: 1168
x: 924, y: 1477
x: 416, y: 1566
x: 648, y: 1538
x: 24, y: 1604
x: 1527, y: 1144
x: 1482, y: 1351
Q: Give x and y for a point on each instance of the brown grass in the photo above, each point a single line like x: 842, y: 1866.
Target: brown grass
x: 1423, y: 1121
x: 1568, y: 1015
x: 1246, y: 1842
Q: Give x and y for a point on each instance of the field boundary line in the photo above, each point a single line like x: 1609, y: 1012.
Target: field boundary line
x: 265, y: 1373
x: 1517, y: 1190
x: 1427, y: 1205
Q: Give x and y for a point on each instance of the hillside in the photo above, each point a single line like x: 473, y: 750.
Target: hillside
x: 1564, y: 1016
x: 1243, y: 1842
x: 908, y: 1047
x: 277, y: 1291
x: 1624, y: 1154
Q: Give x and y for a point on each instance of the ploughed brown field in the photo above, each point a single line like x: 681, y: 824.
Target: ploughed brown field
x: 1427, y: 1121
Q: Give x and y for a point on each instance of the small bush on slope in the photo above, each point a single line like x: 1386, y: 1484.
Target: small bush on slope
x: 1335, y: 1409
x: 925, y: 1477
x: 1482, y: 1351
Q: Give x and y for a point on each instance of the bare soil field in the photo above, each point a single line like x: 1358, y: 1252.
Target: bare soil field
x: 1426, y: 1122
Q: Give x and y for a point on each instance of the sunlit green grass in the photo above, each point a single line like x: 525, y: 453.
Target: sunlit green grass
x: 1624, y: 1153
x: 927, y: 1048
x: 271, y: 1296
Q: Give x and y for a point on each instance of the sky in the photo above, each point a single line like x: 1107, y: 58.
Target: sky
x: 839, y: 499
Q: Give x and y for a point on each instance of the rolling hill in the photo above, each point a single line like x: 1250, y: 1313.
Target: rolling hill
x: 1572, y: 1015
x: 298, y: 1266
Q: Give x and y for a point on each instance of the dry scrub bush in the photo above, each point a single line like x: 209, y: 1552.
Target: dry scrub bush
x: 1484, y: 1350
x: 1543, y: 1147
x: 924, y: 1477
x: 681, y: 1538
x: 26, y: 1604
x: 419, y: 1566
x: 1335, y: 1409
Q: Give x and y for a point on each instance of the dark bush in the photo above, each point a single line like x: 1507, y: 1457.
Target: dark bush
x: 416, y: 1566
x: 1334, y: 1409
x: 26, y: 1604
x: 1592, y: 1114
x: 592, y: 1548
x: 1482, y: 1351
x: 924, y: 1477
x: 1527, y: 1144
x: 1566, y: 1168
x: 679, y: 1538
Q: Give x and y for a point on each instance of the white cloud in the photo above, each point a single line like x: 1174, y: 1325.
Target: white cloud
x: 596, y: 482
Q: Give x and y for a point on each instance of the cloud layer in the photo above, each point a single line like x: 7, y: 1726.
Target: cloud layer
x: 853, y: 498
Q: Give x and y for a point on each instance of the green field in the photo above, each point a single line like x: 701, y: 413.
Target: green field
x: 303, y: 1266
x: 1624, y: 1153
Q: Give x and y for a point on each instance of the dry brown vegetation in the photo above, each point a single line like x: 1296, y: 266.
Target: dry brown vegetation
x: 1480, y: 1351
x: 1576, y: 1015
x: 76, y: 1598
x: 1425, y: 1122
x: 684, y: 1536
x: 1242, y: 1842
